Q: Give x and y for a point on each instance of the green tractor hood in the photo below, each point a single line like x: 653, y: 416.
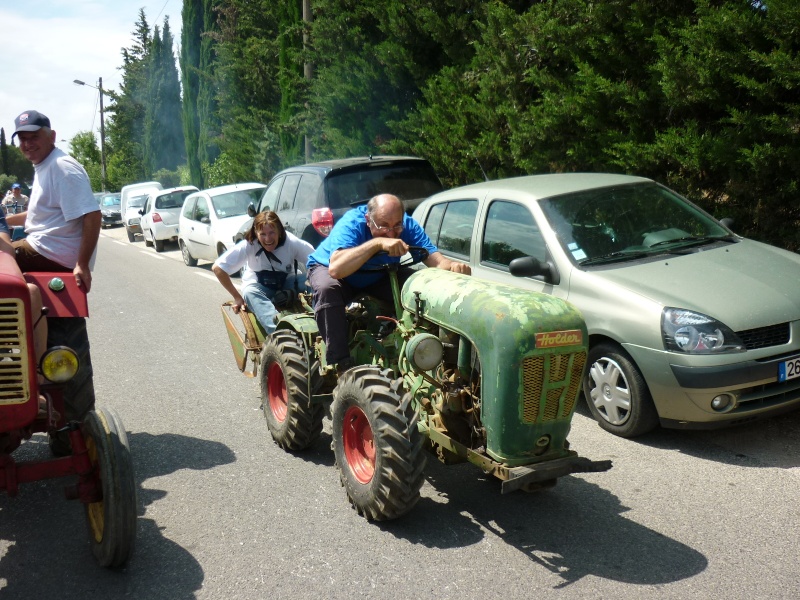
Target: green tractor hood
x: 532, y: 350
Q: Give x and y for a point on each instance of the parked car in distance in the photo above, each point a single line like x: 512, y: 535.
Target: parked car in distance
x: 131, y: 218
x: 310, y: 198
x: 136, y: 189
x: 109, y: 209
x: 690, y: 325
x: 160, y: 215
x: 211, y: 218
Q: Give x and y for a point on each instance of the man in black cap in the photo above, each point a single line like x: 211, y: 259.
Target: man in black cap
x: 63, y: 219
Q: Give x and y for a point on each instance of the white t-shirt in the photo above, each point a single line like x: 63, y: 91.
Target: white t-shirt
x: 244, y: 253
x: 60, y: 196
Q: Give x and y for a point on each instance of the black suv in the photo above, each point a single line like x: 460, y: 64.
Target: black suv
x: 310, y: 198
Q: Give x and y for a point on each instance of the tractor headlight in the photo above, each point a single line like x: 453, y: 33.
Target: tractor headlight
x: 424, y: 351
x: 59, y: 364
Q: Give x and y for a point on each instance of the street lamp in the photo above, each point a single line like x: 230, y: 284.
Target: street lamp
x: 99, y: 88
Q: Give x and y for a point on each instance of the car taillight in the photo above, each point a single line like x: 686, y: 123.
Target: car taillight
x: 157, y: 218
x: 322, y: 220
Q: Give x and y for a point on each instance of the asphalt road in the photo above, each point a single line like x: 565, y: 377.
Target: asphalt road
x: 225, y: 514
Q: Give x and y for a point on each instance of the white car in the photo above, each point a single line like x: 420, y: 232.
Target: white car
x: 160, y: 215
x: 131, y: 218
x: 143, y: 188
x: 211, y: 218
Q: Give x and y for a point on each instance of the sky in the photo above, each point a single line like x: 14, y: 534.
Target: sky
x: 49, y: 43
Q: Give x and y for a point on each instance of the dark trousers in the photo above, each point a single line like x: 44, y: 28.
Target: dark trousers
x: 331, y: 297
x: 29, y: 260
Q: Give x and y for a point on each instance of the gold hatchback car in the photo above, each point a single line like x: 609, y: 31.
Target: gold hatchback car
x: 690, y: 325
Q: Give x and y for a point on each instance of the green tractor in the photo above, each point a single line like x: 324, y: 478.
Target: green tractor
x: 459, y: 367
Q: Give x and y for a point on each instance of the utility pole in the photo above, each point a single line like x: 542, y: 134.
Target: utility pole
x: 308, y: 67
x: 99, y: 88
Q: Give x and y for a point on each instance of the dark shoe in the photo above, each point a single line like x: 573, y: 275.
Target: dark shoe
x: 344, y: 365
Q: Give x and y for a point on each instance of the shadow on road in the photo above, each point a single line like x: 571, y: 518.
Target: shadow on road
x: 773, y: 442
x: 574, y: 530
x: 44, y: 550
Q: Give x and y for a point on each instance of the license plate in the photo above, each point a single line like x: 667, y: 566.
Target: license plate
x: 789, y: 369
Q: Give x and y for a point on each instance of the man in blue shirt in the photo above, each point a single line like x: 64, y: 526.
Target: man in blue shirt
x: 380, y: 226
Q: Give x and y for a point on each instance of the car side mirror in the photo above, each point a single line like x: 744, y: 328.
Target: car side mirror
x: 205, y: 220
x: 251, y: 210
x: 528, y: 266
x: 141, y: 211
x: 727, y: 222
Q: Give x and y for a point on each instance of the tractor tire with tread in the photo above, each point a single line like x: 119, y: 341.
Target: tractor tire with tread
x: 112, y: 520
x: 379, y: 451
x: 294, y: 422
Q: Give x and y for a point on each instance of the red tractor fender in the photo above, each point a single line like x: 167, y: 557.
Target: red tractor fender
x: 61, y: 294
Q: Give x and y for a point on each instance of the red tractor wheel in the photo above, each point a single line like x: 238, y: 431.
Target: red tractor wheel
x: 359, y: 444
x: 378, y: 448
x: 111, y: 520
x: 292, y: 420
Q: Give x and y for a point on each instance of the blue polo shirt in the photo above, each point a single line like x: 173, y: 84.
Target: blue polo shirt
x: 351, y: 231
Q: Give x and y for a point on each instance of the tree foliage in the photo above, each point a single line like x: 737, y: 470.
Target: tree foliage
x: 701, y: 95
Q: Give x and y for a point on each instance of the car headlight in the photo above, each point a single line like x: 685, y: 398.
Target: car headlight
x: 695, y: 333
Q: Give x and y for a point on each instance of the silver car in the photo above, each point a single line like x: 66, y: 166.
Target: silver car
x: 690, y: 325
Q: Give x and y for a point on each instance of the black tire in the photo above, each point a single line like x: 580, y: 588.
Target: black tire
x: 159, y: 244
x: 112, y: 520
x: 617, y: 394
x: 147, y: 242
x: 379, y: 450
x: 131, y: 235
x: 294, y: 422
x: 188, y: 259
x: 79, y: 396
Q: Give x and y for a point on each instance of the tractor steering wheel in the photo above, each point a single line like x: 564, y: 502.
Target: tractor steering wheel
x: 418, y: 255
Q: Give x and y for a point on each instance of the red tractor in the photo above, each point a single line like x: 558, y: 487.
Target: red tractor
x: 56, y: 396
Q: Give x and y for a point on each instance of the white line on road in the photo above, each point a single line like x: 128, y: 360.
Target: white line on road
x: 214, y: 278
x: 151, y: 255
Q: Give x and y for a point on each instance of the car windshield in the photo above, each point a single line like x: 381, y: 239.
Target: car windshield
x: 234, y: 204
x: 626, y: 222
x: 407, y: 181
x: 137, y: 201
x: 172, y: 200
x: 110, y: 201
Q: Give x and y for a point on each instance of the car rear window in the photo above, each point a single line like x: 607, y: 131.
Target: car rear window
x: 404, y: 180
x: 234, y: 204
x: 172, y: 200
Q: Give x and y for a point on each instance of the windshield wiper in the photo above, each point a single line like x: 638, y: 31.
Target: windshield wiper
x: 694, y: 240
x: 617, y: 256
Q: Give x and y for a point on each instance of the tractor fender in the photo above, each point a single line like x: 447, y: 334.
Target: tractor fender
x: 532, y: 349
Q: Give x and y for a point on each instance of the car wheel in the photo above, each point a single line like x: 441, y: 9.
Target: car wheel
x: 617, y: 394
x: 188, y: 259
x: 147, y: 242
x: 159, y: 244
x: 131, y: 235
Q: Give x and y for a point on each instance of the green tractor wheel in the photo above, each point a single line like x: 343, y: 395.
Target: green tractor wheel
x: 292, y: 420
x: 379, y: 450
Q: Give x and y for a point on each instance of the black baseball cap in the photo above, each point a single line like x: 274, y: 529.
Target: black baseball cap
x: 30, y: 120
